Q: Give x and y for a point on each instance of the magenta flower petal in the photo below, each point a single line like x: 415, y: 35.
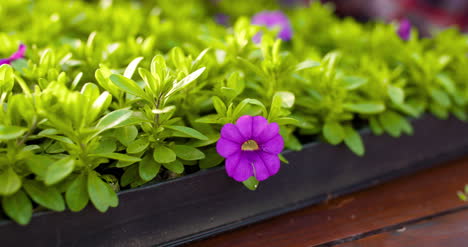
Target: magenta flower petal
x: 5, y: 61
x: 230, y: 132
x: 285, y: 33
x: 251, y: 148
x: 274, y: 145
x: 244, y: 168
x: 227, y: 148
x: 268, y: 133
x: 271, y: 161
x: 261, y: 171
x: 259, y: 124
x: 20, y: 53
x: 244, y: 124
x: 17, y: 55
x: 404, y: 29
x: 231, y: 163
x: 273, y: 19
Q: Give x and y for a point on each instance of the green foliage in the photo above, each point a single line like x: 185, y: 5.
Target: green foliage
x: 115, y: 94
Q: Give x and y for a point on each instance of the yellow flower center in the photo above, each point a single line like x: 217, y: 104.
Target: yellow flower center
x: 250, y: 145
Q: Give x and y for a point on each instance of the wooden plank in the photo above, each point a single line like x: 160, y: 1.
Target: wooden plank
x: 405, y: 199
x: 448, y: 231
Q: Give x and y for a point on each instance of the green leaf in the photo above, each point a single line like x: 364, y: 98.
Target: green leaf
x: 210, y: 119
x: 99, y: 105
x: 138, y: 146
x: 242, y: 107
x: 292, y: 143
x: 189, y: 132
x: 287, y: 99
x: 185, y: 81
x: 164, y: 110
x: 353, y: 82
x: 393, y: 123
x: 117, y: 156
x: 353, y: 141
x: 112, y: 196
x: 106, y: 145
x: 447, y: 83
x: 365, y: 108
x: 175, y: 166
x: 132, y: 121
x: 129, y: 86
x: 396, y: 94
x: 306, y: 65
x: 148, y: 168
x: 152, y: 83
x: 228, y: 93
x: 375, y: 126
x: 11, y: 132
x: 18, y: 207
x: 188, y: 153
x: 462, y: 196
x: 113, y: 119
x: 405, y: 126
x: 219, y: 105
x: 439, y: 111
x: 129, y: 176
x: 98, y: 192
x: 6, y: 78
x: 235, y: 83
x: 333, y: 132
x: 20, y: 64
x: 39, y: 164
x: 59, y: 170
x: 249, y: 65
x: 286, y: 120
x: 130, y: 70
x: 45, y: 196
x: 251, y: 183
x: 76, y: 195
x: 212, y: 159
x: 440, y: 97
x: 200, y: 56
x: 126, y: 134
x: 283, y: 159
x: 10, y: 182
x: 163, y: 154
x: 121, y: 164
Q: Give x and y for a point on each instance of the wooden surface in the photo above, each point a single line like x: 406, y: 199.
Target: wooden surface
x: 447, y: 230
x: 418, y: 210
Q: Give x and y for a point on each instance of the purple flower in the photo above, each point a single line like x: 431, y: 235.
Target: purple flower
x: 273, y: 19
x: 404, y: 29
x: 251, y: 148
x: 17, y: 55
x: 222, y: 19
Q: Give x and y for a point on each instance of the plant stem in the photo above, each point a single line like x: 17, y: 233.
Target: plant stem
x: 30, y: 131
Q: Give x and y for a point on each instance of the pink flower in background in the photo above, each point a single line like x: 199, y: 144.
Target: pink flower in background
x: 273, y: 19
x: 17, y: 55
x: 404, y: 29
x: 251, y: 148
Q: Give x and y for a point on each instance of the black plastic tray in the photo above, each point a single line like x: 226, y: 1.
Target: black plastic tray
x: 209, y: 202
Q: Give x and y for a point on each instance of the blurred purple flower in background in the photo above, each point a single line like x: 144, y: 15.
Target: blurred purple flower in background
x: 251, y: 148
x: 273, y: 19
x: 404, y: 29
x: 222, y: 19
x: 17, y: 55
